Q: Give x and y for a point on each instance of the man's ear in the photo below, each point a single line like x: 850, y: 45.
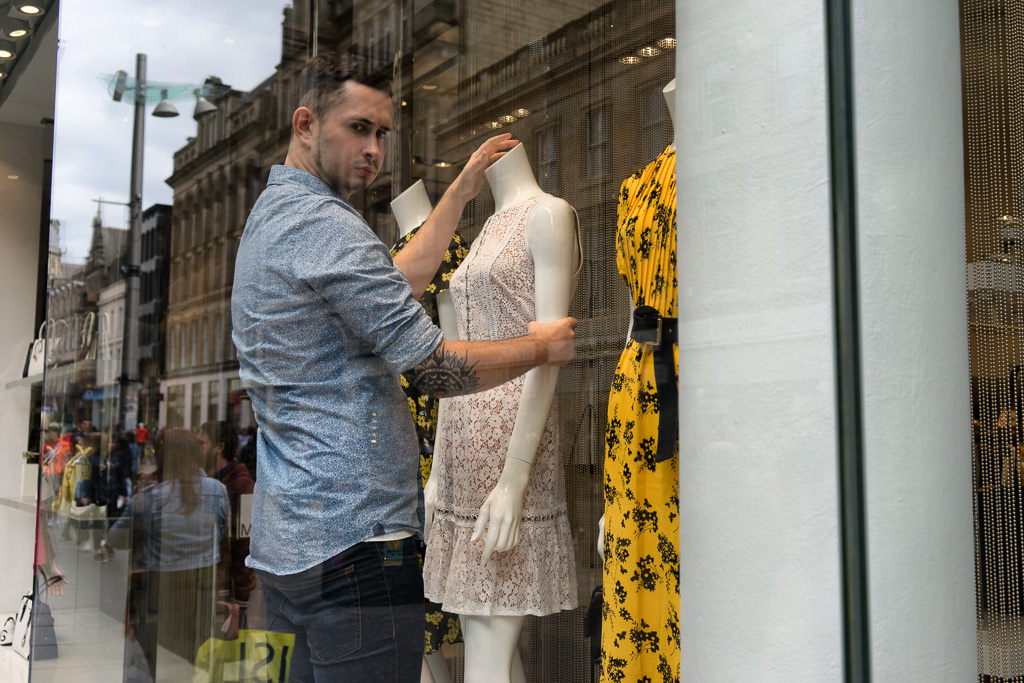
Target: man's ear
x: 302, y: 123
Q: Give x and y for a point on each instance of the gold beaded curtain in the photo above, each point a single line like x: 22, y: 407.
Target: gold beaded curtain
x: 579, y: 83
x: 993, y: 91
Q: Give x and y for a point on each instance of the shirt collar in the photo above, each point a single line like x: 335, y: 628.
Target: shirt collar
x: 287, y: 175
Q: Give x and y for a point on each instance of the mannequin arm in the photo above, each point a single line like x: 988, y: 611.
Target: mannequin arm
x: 551, y: 241
x: 421, y: 257
x: 430, y: 498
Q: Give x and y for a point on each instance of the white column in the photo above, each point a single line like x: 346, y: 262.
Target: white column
x: 914, y: 336
x: 761, y: 594
x: 759, y: 547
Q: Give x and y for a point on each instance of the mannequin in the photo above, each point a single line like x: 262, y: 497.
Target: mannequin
x: 641, y: 486
x: 552, y: 243
x: 669, y: 91
x: 411, y: 209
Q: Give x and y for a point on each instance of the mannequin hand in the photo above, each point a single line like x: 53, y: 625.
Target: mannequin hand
x: 500, y: 515
x: 559, y: 339
x: 503, y: 509
x: 429, y: 505
x: 471, y: 180
x: 600, y: 537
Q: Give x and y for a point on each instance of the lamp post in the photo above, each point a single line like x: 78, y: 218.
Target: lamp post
x: 127, y: 396
x: 128, y: 380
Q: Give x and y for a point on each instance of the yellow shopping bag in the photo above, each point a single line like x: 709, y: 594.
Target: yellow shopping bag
x: 253, y: 657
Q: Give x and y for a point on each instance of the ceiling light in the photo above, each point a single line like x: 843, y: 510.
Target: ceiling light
x: 667, y: 43
x: 12, y: 177
x: 648, y: 51
x: 629, y: 59
x: 493, y: 125
x: 430, y: 86
x: 520, y: 113
x: 507, y: 118
x: 5, y: 53
x: 29, y: 9
x: 18, y: 33
x: 2, y: 74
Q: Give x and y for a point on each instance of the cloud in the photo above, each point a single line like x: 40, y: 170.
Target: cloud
x: 185, y: 41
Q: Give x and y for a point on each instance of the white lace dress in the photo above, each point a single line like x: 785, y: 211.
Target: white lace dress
x: 493, y: 293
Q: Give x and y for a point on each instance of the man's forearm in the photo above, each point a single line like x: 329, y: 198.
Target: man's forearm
x: 456, y: 368
x: 420, y: 260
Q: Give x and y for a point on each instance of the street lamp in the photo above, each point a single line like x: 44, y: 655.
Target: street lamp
x: 131, y: 270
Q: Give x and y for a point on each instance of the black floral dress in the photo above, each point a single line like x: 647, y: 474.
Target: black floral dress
x: 441, y: 626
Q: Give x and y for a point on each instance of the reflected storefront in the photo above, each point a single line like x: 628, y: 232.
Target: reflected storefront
x: 724, y: 558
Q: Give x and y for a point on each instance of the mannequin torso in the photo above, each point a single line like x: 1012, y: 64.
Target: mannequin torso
x: 537, y: 233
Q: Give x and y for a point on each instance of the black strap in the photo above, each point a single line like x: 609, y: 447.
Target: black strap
x: 646, y: 323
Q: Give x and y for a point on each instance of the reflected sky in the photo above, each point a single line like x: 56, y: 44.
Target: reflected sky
x: 185, y: 41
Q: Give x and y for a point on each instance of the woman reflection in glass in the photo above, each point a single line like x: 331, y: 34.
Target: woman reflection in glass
x: 176, y: 528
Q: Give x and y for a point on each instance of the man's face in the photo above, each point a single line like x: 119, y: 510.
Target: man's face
x: 205, y: 450
x: 351, y: 139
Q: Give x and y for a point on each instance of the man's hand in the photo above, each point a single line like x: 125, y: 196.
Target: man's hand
x: 471, y: 180
x: 558, y: 337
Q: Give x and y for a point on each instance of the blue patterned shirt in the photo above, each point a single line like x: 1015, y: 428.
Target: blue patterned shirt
x: 324, y: 322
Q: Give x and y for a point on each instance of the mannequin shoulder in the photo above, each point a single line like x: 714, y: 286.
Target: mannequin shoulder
x: 551, y: 221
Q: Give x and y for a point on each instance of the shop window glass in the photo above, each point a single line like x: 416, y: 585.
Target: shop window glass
x: 551, y: 74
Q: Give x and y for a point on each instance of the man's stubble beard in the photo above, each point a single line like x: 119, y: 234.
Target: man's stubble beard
x: 337, y: 184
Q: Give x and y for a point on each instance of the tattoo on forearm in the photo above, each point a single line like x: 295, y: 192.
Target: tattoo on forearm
x: 444, y: 373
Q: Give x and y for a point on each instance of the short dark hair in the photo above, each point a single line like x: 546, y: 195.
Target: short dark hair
x: 222, y: 432
x: 323, y: 77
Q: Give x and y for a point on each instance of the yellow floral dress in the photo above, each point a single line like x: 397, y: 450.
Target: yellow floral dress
x: 640, y: 618
x: 441, y: 626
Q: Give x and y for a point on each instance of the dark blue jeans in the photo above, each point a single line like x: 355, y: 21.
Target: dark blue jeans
x: 356, y: 617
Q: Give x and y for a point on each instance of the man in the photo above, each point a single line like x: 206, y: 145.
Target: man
x: 141, y: 434
x: 217, y: 443
x: 324, y: 322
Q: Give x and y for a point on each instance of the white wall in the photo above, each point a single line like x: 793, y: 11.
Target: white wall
x: 759, y: 549
x: 19, y: 259
x: 914, y: 336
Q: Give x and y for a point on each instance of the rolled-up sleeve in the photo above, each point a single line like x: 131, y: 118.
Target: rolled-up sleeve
x: 352, y: 270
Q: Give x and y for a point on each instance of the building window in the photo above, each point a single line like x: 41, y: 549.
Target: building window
x: 197, y: 405
x: 597, y: 143
x: 213, y: 407
x: 218, y: 340
x: 182, y: 346
x: 657, y: 129
x: 547, y: 158
x: 206, y: 341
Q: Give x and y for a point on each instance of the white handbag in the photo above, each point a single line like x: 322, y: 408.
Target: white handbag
x: 23, y: 627
x: 42, y: 352
x: 7, y: 632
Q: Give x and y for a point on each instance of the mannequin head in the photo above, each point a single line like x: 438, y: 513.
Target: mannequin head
x: 411, y: 208
x: 511, y: 179
x: 670, y: 99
